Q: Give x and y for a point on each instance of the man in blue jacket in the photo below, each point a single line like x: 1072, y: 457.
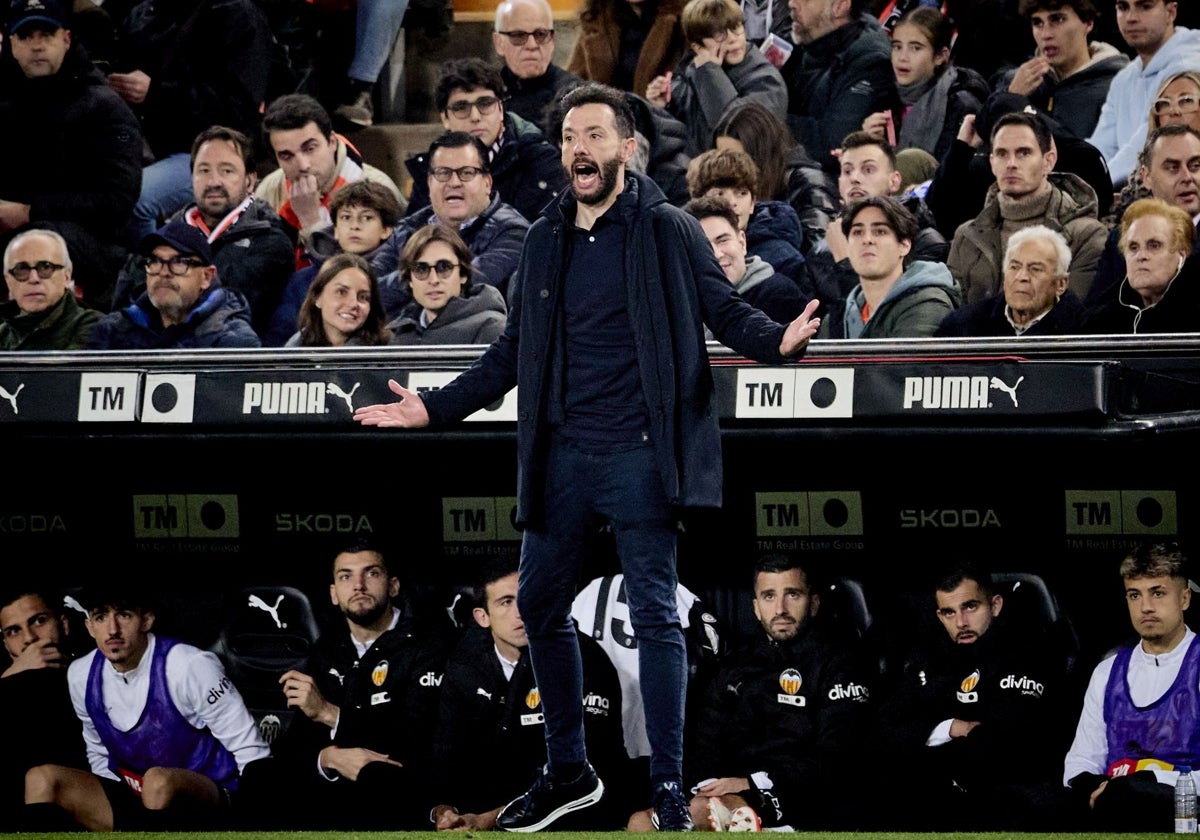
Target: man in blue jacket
x: 617, y: 422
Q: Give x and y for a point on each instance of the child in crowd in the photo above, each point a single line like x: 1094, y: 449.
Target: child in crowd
x: 772, y: 228
x: 364, y: 214
x: 935, y: 95
x: 719, y: 69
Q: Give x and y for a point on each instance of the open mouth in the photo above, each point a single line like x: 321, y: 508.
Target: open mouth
x: 585, y: 173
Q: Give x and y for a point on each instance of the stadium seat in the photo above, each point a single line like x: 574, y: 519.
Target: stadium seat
x: 265, y: 631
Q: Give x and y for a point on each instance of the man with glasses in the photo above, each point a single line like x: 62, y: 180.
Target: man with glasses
x: 72, y: 148
x: 524, y: 38
x: 524, y: 165
x: 460, y: 191
x: 184, y: 305
x: 721, y: 70
x: 1148, y: 27
x: 42, y: 312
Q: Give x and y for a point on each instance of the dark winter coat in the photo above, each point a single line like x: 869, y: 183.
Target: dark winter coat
x: 986, y: 319
x: 675, y: 286
x: 220, y: 318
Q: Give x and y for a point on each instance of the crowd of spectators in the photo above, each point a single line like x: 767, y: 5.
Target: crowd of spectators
x: 198, y: 113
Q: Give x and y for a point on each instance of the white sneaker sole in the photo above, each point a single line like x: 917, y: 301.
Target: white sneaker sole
x: 561, y: 811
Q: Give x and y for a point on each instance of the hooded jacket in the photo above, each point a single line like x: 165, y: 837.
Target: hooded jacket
x: 774, y: 234
x: 220, y: 318
x: 700, y: 96
x: 494, y: 239
x: 64, y: 326
x: 835, y: 83
x: 913, y: 308
x: 254, y: 256
x: 526, y: 173
x: 1120, y: 132
x: 775, y: 294
x: 1075, y: 102
x: 977, y: 250
x: 675, y: 286
x: 476, y: 316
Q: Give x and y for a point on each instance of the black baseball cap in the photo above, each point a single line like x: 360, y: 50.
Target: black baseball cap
x: 49, y: 13
x: 178, y: 234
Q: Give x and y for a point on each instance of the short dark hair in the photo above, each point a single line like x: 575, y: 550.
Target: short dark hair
x: 239, y: 141
x: 778, y: 563
x: 296, y: 110
x: 1173, y: 130
x: 466, y: 74
x: 14, y: 590
x: 371, y: 195
x: 897, y: 217
x: 950, y: 577
x: 492, y: 571
x: 459, y: 140
x: 858, y: 139
x: 594, y: 93
x: 1085, y: 9
x: 1156, y: 559
x: 725, y: 168
x: 1034, y: 121
x: 707, y: 206
x: 357, y: 545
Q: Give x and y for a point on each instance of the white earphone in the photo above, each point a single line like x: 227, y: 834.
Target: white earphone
x: 1181, y: 261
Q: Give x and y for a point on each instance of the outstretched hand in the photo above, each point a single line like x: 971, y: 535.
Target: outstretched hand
x: 408, y: 413
x: 798, y: 333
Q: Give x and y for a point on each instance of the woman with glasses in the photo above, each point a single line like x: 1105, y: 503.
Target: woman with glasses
x: 342, y: 307
x: 447, y: 306
x: 720, y: 70
x: 1176, y: 103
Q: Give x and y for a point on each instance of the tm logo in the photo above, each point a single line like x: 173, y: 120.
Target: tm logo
x: 180, y: 516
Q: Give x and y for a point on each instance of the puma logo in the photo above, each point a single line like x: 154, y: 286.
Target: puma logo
x: 12, y: 398
x: 255, y: 601
x: 998, y: 384
x: 336, y: 390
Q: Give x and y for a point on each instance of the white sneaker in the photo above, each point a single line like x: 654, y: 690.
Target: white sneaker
x: 720, y: 818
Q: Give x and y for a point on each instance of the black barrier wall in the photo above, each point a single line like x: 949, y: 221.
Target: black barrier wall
x: 208, y: 472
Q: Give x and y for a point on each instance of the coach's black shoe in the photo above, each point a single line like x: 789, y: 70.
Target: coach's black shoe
x: 670, y: 809
x: 550, y: 799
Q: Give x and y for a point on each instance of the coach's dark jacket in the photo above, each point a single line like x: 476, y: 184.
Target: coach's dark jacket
x: 674, y: 283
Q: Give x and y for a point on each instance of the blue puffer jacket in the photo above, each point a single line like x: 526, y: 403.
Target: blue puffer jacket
x: 221, y: 318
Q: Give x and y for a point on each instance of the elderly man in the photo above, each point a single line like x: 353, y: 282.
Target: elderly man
x: 42, y: 312
x: 1036, y: 300
x: 184, y: 305
x: 1171, y: 171
x: 77, y: 165
x: 460, y: 189
x: 1026, y: 192
x: 524, y: 38
x: 524, y: 165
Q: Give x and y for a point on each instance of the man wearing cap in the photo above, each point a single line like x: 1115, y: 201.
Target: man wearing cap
x: 72, y: 149
x: 251, y: 246
x: 184, y: 305
x: 168, y: 736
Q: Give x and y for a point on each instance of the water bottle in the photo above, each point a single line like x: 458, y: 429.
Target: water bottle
x: 1185, y: 801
